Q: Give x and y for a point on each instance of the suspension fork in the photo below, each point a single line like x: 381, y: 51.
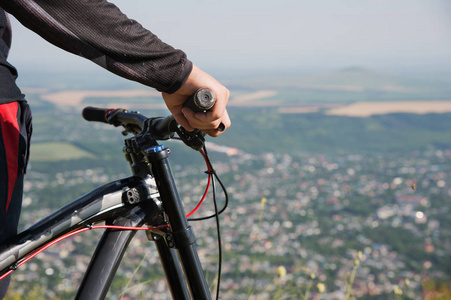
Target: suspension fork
x: 182, y: 233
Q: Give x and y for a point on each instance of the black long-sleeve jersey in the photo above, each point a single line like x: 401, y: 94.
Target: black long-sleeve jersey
x: 98, y: 31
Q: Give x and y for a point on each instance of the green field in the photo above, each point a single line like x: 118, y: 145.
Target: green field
x: 57, y: 151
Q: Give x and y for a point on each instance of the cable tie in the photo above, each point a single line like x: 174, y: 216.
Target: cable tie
x: 14, y: 266
x: 89, y: 226
x: 209, y: 172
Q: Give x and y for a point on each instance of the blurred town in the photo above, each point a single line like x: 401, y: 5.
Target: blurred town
x: 296, y: 225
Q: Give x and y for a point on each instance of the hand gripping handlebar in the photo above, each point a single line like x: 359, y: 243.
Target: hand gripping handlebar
x: 202, y: 101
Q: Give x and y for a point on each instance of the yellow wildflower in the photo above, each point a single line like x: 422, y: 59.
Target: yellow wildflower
x: 263, y: 202
x: 359, y: 255
x: 281, y: 271
x: 397, y: 290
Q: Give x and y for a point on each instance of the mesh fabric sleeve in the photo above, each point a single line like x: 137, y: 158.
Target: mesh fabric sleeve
x: 100, y: 32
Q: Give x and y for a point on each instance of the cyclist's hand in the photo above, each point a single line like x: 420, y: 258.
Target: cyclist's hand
x: 207, y: 122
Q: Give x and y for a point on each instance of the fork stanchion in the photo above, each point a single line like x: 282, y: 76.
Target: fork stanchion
x: 183, y: 235
x: 172, y: 269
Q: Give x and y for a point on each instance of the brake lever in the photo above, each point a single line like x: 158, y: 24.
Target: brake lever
x: 194, y: 139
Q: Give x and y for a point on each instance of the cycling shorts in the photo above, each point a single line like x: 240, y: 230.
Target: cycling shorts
x: 15, y: 134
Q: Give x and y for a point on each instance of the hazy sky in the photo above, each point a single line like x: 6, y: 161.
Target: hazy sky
x: 278, y: 34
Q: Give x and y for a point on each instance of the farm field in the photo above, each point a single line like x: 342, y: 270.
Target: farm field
x: 365, y: 109
x: 56, y: 151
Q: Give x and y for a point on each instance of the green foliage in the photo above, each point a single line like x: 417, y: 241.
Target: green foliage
x: 266, y: 130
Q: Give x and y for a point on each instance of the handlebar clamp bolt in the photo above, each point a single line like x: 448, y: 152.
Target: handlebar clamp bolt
x: 169, y: 241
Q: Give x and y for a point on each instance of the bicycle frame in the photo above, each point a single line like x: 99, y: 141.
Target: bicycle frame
x: 133, y: 201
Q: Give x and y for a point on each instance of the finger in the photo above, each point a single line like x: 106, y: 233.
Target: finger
x: 201, y: 120
x: 224, y: 124
x: 183, y: 121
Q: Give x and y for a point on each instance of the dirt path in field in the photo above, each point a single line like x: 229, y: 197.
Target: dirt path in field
x: 75, y: 98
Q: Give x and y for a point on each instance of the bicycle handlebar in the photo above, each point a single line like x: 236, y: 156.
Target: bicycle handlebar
x: 202, y: 100
x: 95, y: 114
x: 161, y: 128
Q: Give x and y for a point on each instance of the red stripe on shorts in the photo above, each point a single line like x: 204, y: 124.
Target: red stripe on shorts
x: 10, y: 132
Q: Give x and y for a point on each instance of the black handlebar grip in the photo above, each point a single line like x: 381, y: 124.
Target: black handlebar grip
x: 202, y: 100
x: 95, y: 114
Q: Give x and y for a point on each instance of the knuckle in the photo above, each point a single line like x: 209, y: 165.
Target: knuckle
x: 215, y: 116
